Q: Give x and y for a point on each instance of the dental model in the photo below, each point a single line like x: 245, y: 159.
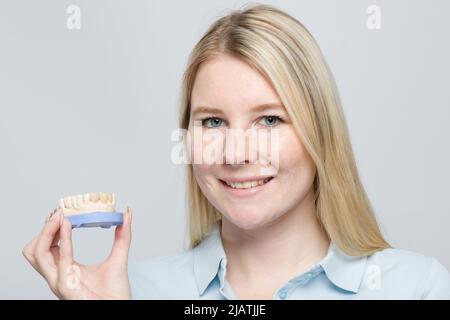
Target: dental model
x: 97, y: 209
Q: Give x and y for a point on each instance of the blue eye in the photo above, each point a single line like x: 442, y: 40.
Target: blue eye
x: 271, y: 121
x: 212, y: 122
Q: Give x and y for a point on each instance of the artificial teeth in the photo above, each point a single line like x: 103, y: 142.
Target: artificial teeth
x: 103, y: 197
x: 80, y: 201
x: 88, y: 202
x: 74, y: 201
x: 67, y: 202
x: 95, y: 197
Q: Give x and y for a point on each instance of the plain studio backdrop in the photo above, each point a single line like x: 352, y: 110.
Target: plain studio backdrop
x: 93, y: 109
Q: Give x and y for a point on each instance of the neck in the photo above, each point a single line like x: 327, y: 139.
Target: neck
x: 289, y: 245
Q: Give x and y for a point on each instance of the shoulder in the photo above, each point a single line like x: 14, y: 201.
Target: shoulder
x: 163, y: 276
x: 419, y: 272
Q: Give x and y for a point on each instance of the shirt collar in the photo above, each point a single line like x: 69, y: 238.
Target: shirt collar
x: 208, y: 255
x: 344, y: 271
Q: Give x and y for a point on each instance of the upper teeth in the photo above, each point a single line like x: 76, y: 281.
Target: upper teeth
x: 88, y: 202
x: 247, y: 184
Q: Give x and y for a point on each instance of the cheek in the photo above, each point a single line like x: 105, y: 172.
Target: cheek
x: 209, y: 186
x: 205, y: 146
x: 201, y: 172
x: 294, y: 159
x: 205, y: 177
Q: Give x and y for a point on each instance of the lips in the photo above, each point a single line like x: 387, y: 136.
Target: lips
x: 246, y: 187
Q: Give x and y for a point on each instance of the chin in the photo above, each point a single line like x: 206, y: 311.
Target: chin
x: 248, y: 220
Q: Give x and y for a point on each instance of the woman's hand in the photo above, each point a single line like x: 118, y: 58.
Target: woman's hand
x: 69, y: 279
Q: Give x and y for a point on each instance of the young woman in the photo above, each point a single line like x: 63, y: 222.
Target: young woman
x: 305, y: 230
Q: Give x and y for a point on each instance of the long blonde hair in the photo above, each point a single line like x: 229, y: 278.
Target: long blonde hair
x: 286, y: 54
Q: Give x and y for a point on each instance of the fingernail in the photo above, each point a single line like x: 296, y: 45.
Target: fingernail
x: 61, y: 220
x: 54, y: 215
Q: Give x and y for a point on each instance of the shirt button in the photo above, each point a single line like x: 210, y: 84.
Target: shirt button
x: 283, y: 294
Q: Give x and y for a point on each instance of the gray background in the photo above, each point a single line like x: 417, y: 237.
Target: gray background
x: 93, y: 109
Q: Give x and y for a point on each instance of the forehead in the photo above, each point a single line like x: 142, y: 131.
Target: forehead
x: 227, y: 82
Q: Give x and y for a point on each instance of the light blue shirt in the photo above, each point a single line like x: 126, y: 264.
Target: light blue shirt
x: 199, y: 273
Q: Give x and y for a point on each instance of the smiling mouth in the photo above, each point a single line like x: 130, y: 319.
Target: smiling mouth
x: 246, y: 184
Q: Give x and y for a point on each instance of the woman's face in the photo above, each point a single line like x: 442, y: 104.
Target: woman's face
x: 234, y: 89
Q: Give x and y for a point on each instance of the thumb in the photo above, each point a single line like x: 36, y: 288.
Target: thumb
x: 68, y: 272
x: 122, y: 241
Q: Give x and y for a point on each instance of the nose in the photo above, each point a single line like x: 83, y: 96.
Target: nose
x: 240, y: 147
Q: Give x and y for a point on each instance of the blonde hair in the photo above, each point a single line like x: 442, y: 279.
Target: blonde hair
x: 286, y: 54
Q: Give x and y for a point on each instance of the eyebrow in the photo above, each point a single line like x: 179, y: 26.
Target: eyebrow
x: 255, y: 109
